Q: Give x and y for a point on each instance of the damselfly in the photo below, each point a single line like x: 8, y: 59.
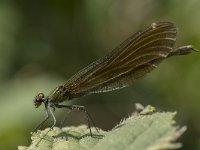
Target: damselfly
x: 133, y: 59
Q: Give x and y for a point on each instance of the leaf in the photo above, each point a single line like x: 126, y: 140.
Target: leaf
x: 141, y: 131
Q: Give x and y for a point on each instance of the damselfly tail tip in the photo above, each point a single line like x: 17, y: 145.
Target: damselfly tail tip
x: 195, y: 50
x: 191, y: 48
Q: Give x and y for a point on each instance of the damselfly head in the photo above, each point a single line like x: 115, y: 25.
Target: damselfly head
x: 39, y: 99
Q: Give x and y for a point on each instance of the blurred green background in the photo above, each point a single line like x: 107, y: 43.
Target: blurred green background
x: 43, y: 43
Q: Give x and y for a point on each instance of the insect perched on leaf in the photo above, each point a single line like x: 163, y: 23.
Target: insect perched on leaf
x: 133, y: 59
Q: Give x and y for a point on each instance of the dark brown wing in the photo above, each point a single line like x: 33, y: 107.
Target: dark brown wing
x: 133, y: 59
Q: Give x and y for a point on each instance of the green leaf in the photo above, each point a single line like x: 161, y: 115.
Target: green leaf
x: 141, y: 131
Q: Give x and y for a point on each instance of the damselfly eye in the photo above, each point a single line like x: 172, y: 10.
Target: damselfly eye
x: 39, y: 99
x: 41, y: 95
